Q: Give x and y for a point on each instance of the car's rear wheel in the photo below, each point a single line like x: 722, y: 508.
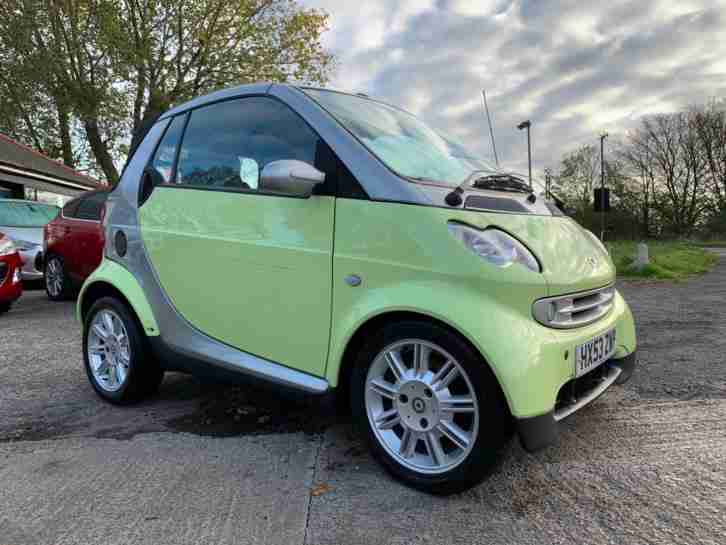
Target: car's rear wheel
x: 429, y: 407
x: 57, y: 283
x: 5, y: 307
x: 118, y: 362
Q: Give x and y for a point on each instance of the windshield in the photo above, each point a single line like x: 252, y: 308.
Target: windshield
x: 26, y: 214
x: 404, y: 143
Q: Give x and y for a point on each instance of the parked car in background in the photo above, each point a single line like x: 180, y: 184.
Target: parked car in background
x: 23, y: 222
x: 73, y: 244
x: 319, y: 240
x: 11, y: 286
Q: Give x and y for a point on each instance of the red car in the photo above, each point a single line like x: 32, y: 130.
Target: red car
x: 73, y: 244
x: 11, y: 286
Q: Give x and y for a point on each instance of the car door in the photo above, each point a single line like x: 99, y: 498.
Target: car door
x: 250, y: 269
x: 60, y: 236
x: 86, y: 235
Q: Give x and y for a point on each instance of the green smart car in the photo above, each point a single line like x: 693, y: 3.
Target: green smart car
x: 316, y: 241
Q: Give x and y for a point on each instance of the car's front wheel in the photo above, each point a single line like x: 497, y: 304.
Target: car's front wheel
x: 57, y: 283
x: 5, y: 307
x: 429, y: 406
x: 117, y: 359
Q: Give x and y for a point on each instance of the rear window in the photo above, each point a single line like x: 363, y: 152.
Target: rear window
x: 91, y: 206
x: 26, y: 214
x: 69, y: 210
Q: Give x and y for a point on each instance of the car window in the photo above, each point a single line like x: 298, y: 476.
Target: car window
x: 90, y: 207
x: 226, y: 145
x: 71, y: 207
x: 163, y: 162
x: 26, y: 214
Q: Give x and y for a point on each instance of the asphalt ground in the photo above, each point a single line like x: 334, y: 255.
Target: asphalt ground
x: 203, y: 463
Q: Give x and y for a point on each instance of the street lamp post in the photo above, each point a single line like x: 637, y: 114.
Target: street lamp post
x: 526, y: 125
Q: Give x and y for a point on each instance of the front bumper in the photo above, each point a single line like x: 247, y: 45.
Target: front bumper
x: 538, y: 432
x: 10, y: 285
x: 32, y: 264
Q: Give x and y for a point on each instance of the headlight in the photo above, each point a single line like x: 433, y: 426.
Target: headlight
x: 6, y: 246
x: 596, y: 240
x: 495, y: 246
x: 25, y: 246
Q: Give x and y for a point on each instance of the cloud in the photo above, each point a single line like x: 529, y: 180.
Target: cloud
x: 574, y: 68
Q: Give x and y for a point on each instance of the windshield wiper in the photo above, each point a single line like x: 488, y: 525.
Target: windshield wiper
x: 502, y: 182
x: 485, y: 180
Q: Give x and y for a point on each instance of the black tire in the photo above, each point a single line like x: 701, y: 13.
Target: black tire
x: 144, y: 374
x: 5, y: 307
x: 491, y: 439
x: 66, y: 289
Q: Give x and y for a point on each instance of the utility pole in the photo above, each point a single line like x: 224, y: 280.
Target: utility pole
x: 548, y: 182
x: 526, y: 125
x: 491, y: 130
x: 602, y: 185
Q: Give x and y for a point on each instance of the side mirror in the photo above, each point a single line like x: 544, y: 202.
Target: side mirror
x: 290, y: 177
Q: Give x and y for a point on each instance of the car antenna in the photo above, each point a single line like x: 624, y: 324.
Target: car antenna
x: 491, y: 129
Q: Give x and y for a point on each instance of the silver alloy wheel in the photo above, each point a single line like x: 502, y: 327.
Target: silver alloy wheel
x: 109, y: 351
x: 422, y: 406
x: 54, y: 277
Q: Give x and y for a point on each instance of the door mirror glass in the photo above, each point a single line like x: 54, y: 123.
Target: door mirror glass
x: 249, y: 172
x: 290, y: 177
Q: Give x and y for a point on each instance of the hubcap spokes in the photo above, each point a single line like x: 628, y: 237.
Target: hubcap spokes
x: 421, y: 406
x: 55, y: 277
x: 109, y: 352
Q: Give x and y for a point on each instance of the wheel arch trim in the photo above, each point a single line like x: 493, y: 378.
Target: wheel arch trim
x: 338, y: 373
x: 110, y: 277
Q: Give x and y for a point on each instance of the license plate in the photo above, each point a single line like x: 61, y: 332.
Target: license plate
x: 595, y: 352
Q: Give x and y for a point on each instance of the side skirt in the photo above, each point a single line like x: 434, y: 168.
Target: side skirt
x: 246, y: 369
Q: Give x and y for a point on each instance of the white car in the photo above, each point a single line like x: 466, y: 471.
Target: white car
x: 23, y: 222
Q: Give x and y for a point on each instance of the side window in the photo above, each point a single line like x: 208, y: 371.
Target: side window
x: 163, y: 161
x: 226, y: 145
x: 90, y: 207
x: 71, y: 207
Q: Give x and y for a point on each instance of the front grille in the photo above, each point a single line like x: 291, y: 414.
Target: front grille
x: 578, y: 392
x: 575, y: 309
x: 4, y: 269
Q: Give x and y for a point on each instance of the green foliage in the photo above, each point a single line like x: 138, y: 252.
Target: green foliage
x: 667, y: 176
x: 668, y: 260
x: 99, y: 68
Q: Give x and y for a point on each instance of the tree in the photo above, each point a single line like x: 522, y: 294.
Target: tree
x: 27, y: 112
x: 679, y: 169
x: 111, y: 65
x: 578, y: 176
x: 183, y: 48
x: 639, y: 168
x: 710, y: 126
x: 580, y: 173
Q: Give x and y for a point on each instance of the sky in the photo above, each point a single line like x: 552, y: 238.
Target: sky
x: 574, y: 68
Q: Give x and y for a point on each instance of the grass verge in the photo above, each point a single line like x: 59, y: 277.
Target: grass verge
x: 668, y: 260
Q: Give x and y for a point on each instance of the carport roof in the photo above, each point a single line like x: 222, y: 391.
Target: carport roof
x: 15, y: 158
